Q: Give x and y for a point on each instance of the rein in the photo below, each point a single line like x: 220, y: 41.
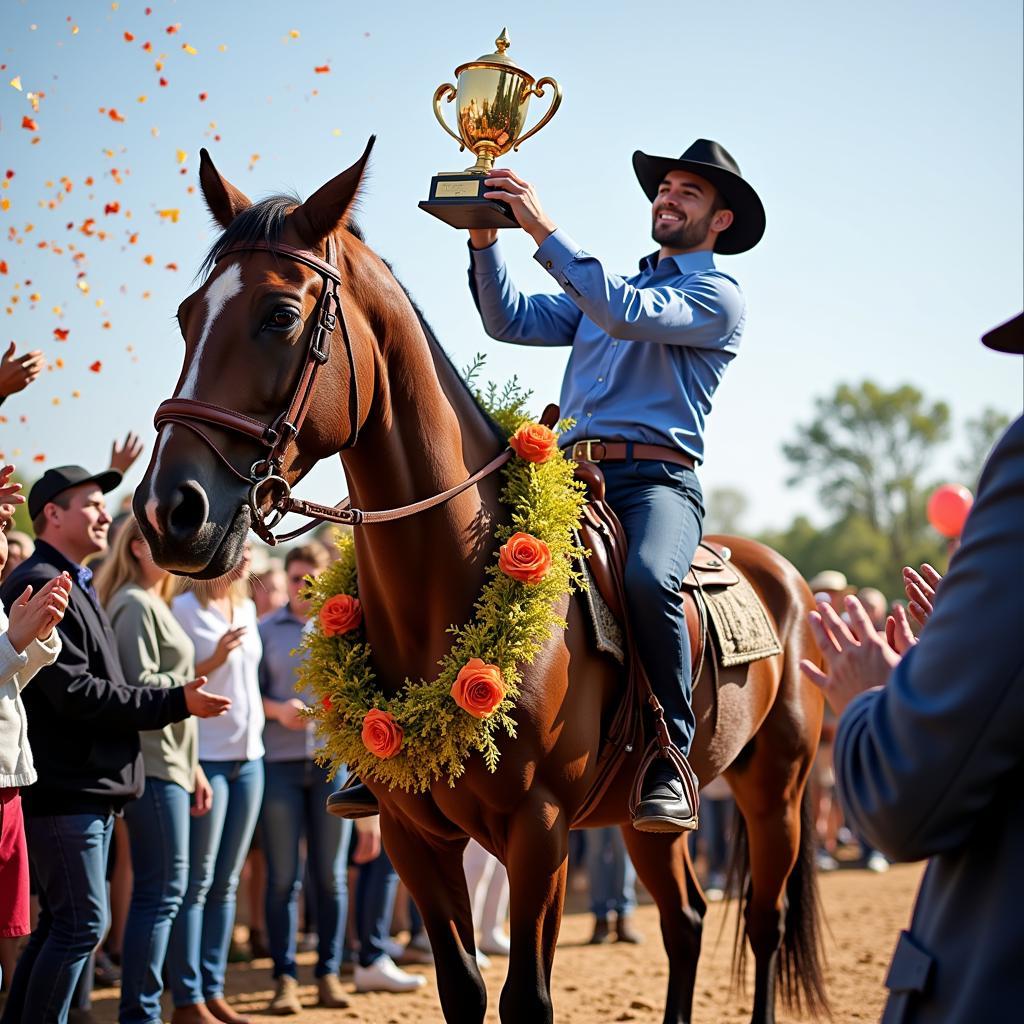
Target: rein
x: 265, y: 479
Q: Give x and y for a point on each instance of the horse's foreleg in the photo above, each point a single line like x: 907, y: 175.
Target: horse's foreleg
x: 432, y: 870
x: 536, y: 858
x: 663, y: 865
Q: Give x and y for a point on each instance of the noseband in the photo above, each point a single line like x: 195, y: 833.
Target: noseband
x: 265, y: 479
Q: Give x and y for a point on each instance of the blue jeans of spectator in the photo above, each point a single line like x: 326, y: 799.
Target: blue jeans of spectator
x: 375, y: 900
x: 293, y: 807
x: 218, y: 844
x: 611, y: 872
x: 68, y: 857
x: 661, y: 508
x: 158, y: 831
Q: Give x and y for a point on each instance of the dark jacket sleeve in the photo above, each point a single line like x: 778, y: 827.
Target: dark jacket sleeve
x: 73, y: 690
x: 919, y: 761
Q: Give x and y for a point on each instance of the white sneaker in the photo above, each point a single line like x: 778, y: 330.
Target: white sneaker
x: 483, y: 961
x: 877, y: 863
x: 496, y: 944
x: 384, y: 975
x: 393, y: 949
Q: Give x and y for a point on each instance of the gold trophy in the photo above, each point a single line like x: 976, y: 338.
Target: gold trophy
x: 490, y: 108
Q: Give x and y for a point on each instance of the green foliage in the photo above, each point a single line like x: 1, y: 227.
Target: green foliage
x: 511, y: 622
x: 982, y: 434
x: 867, y: 451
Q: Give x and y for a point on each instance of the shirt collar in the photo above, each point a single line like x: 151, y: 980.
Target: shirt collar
x: 686, y: 263
x: 284, y: 614
x: 50, y: 554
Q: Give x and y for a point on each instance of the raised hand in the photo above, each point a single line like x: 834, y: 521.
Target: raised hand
x: 10, y: 493
x: 898, y: 633
x: 202, y: 704
x: 920, y: 589
x: 522, y: 197
x: 123, y: 456
x: 33, y: 617
x: 17, y: 374
x: 857, y: 657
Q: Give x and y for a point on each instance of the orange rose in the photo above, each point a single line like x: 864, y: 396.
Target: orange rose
x: 534, y: 442
x: 382, y: 735
x: 340, y: 614
x: 524, y: 558
x: 478, y: 688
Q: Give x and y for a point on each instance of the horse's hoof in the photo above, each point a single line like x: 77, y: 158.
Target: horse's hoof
x: 357, y: 801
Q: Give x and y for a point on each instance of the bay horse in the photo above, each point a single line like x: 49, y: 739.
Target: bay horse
x: 291, y: 284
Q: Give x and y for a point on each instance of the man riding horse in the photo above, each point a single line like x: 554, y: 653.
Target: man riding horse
x: 648, y: 354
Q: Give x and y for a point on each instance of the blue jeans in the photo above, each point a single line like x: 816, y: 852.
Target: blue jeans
x: 661, y: 509
x: 68, y: 857
x: 218, y: 843
x: 293, y: 807
x: 611, y: 872
x: 375, y: 900
x: 158, y: 830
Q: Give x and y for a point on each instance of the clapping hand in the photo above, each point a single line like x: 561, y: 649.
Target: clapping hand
x: 920, y: 589
x: 202, y: 704
x: 857, y: 657
x: 123, y: 456
x: 33, y: 618
x: 10, y: 495
x: 17, y: 374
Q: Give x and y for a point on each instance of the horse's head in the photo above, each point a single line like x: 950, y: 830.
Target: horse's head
x: 268, y: 314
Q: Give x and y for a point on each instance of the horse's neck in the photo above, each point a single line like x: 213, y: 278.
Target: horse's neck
x: 424, y: 435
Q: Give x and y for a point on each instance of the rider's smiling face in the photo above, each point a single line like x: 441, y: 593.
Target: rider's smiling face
x: 687, y: 213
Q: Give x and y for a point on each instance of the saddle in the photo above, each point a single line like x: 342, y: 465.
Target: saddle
x: 602, y: 533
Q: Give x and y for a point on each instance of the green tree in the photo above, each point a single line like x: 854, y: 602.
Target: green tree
x: 982, y: 434
x: 867, y: 451
x: 726, y: 507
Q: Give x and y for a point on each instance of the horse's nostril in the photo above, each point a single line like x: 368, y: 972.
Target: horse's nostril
x: 189, y: 510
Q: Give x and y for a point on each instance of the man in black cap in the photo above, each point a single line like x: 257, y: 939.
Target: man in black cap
x: 648, y: 353
x: 83, y: 726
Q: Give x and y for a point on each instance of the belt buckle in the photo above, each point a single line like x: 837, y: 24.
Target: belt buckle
x: 587, y: 446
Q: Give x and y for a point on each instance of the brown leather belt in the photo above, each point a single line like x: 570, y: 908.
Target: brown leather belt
x: 592, y: 450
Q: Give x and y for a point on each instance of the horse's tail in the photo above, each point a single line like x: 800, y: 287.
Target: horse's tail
x: 800, y: 973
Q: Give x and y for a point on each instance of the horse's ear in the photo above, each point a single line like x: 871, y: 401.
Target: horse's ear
x: 329, y: 207
x: 223, y: 200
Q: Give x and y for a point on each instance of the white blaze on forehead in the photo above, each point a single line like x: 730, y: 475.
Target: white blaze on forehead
x: 224, y: 288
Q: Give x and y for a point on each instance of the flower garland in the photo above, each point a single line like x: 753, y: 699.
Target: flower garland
x: 428, y: 730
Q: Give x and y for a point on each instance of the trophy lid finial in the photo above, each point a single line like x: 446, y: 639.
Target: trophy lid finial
x: 503, y: 42
x: 499, y: 59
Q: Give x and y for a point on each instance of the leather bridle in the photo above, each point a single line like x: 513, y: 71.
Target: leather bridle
x: 265, y: 479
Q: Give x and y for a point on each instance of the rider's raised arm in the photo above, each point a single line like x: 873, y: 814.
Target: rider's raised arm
x: 508, y: 315
x: 702, y: 308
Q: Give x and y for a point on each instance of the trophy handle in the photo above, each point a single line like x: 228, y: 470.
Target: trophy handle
x: 538, y: 90
x: 447, y: 91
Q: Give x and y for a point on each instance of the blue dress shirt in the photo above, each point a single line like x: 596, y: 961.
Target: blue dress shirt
x: 648, y: 352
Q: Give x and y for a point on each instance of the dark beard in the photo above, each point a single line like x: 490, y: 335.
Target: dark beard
x: 683, y: 235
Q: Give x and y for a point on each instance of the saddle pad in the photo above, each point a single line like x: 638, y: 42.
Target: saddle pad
x: 742, y: 629
x: 607, y: 630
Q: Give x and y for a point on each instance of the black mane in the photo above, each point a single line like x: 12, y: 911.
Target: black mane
x: 264, y: 222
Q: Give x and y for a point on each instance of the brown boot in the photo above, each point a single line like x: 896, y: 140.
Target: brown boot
x: 196, y: 1013
x: 286, y: 999
x: 625, y: 932
x: 332, y: 995
x: 602, y: 933
x: 218, y: 1006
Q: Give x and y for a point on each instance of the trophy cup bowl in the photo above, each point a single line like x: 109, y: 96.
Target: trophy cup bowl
x: 491, y: 101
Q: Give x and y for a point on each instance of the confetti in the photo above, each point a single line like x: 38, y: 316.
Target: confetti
x: 223, y: 48
x: 28, y: 124
x: 38, y: 458
x: 3, y: 266
x: 171, y: 29
x: 202, y: 97
x: 148, y: 260
x: 142, y: 99
x: 147, y: 46
x: 112, y: 208
x: 181, y: 154
x: 171, y: 215
x: 163, y: 83
x: 189, y: 48
x: 96, y: 367
x: 322, y: 69
x: 294, y: 33
x: 114, y: 115
x: 128, y: 37
x: 83, y: 287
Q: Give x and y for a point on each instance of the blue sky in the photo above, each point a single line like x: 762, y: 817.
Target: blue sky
x: 884, y: 138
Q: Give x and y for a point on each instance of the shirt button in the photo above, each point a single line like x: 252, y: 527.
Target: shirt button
x: 615, y: 344
x: 548, y: 264
x: 600, y: 380
x: 590, y: 414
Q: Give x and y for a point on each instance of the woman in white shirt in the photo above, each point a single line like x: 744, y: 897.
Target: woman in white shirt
x: 221, y: 621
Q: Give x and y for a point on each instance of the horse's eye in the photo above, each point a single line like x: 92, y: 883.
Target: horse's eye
x: 281, y: 320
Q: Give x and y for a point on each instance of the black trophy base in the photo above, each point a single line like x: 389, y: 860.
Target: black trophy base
x: 457, y: 200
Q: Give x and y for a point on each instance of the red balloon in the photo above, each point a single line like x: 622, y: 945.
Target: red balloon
x: 948, y: 508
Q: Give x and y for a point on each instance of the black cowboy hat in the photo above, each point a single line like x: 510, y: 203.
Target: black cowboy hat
x: 713, y: 162
x: 1007, y: 337
x: 62, y: 478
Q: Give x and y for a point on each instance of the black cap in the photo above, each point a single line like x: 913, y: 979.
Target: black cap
x: 62, y: 478
x: 1008, y: 337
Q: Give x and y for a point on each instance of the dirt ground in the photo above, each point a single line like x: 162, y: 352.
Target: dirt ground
x: 595, y: 984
